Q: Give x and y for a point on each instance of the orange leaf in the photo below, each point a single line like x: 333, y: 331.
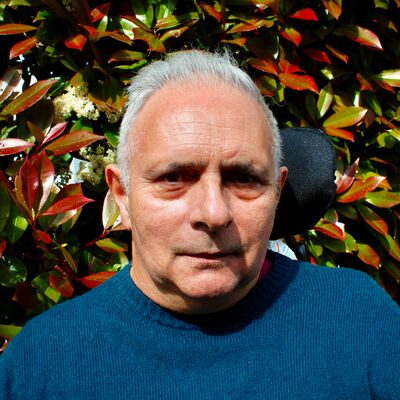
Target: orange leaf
x: 373, y: 219
x: 93, y: 280
x: 22, y: 47
x: 28, y: 98
x: 210, y: 10
x: 368, y: 255
x: 264, y: 65
x: 12, y: 29
x: 291, y: 34
x: 76, y: 42
x: 305, y: 14
x: 365, y: 85
x: 341, y: 133
x: 337, y: 53
x: 334, y: 7
x: 100, y: 11
x: 334, y: 230
x: 10, y: 146
x: 360, y: 188
x: 62, y: 284
x: 298, y: 82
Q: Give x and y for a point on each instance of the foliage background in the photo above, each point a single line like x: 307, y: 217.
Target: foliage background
x: 332, y: 64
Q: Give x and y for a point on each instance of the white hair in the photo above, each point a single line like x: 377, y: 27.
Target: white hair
x: 187, y: 66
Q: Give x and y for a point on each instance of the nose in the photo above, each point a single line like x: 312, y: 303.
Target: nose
x: 210, y: 207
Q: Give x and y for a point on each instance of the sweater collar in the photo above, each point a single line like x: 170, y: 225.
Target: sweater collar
x: 264, y: 294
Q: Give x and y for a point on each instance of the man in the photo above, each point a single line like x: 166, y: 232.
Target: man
x: 200, y: 315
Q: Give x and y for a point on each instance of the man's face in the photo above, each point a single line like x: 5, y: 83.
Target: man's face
x: 202, y: 196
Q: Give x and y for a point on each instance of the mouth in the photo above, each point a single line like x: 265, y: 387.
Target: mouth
x: 211, y: 256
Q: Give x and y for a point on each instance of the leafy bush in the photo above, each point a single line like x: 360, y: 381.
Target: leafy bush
x: 324, y: 64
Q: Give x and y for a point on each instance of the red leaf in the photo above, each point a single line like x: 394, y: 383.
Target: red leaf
x: 368, y: 255
x: 9, y: 81
x: 210, y: 10
x: 11, y: 29
x: 373, y: 219
x: 94, y: 280
x: 264, y: 65
x: 361, y: 35
x: 71, y: 142
x: 345, y: 180
x: 10, y: 146
x: 46, y: 171
x: 3, y: 246
x: 62, y: 284
x: 298, y: 82
x: 365, y: 85
x: 242, y: 27
x: 360, y: 188
x: 29, y: 97
x: 30, y: 183
x: 55, y: 131
x: 291, y: 34
x: 318, y: 55
x: 341, y: 133
x: 305, y: 14
x: 22, y: 47
x: 93, y: 33
x: 70, y: 203
x: 76, y: 42
x: 41, y: 236
x: 100, y: 11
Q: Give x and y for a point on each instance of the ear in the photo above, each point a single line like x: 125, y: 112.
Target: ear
x: 114, y: 182
x: 283, y: 173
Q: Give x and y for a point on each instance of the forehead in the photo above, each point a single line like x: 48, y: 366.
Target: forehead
x: 203, y: 119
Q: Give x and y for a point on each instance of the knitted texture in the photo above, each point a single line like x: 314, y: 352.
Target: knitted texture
x: 303, y: 332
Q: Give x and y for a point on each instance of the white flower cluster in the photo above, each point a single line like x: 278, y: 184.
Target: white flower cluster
x: 97, y: 158
x: 74, y: 100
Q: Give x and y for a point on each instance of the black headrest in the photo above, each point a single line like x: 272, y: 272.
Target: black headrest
x: 310, y: 187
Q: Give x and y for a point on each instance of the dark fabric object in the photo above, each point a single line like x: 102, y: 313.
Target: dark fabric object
x: 310, y: 187
x: 304, y: 332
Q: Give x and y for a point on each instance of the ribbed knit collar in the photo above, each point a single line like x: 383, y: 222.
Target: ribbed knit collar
x: 258, y: 300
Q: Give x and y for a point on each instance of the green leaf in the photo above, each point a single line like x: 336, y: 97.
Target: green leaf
x: 344, y: 118
x: 5, y: 206
x: 391, y: 246
x: 153, y: 43
x: 28, y: 98
x: 383, y: 199
x: 173, y: 21
x: 324, y: 100
x: 112, y: 245
x: 12, y: 271
x: 9, y: 331
x: 393, y: 269
x: 16, y: 224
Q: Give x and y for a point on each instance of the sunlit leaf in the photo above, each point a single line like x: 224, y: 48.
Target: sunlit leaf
x: 69, y: 259
x: 112, y: 245
x: 373, y: 219
x: 345, y: 181
x: 368, y: 255
x: 174, y: 33
x: 291, y: 34
x: 210, y: 10
x: 344, y: 118
x: 70, y: 203
x: 22, y: 47
x: 390, y: 77
x: 55, y: 131
x: 127, y: 55
x: 340, y: 133
x: 110, y: 211
x: 391, y: 245
x: 361, y: 35
x: 334, y: 7
x: 46, y: 170
x: 324, y: 100
x: 76, y: 42
x: 173, y: 21
x: 337, y: 53
x: 383, y: 199
x: 298, y: 82
x: 364, y: 84
x: 359, y: 189
x: 153, y: 43
x: 307, y: 14
x: 264, y: 65
x: 12, y: 29
x: 9, y: 81
x: 28, y: 97
x: 10, y: 146
x: 72, y: 141
x: 16, y: 224
x: 9, y: 331
x: 30, y: 182
x: 94, y: 280
x: 267, y: 85
x: 100, y: 11
x: 334, y: 230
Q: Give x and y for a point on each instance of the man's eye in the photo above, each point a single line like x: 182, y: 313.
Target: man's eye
x: 244, y: 178
x: 172, y: 177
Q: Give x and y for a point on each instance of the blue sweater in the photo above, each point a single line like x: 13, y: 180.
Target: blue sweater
x: 304, y: 332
